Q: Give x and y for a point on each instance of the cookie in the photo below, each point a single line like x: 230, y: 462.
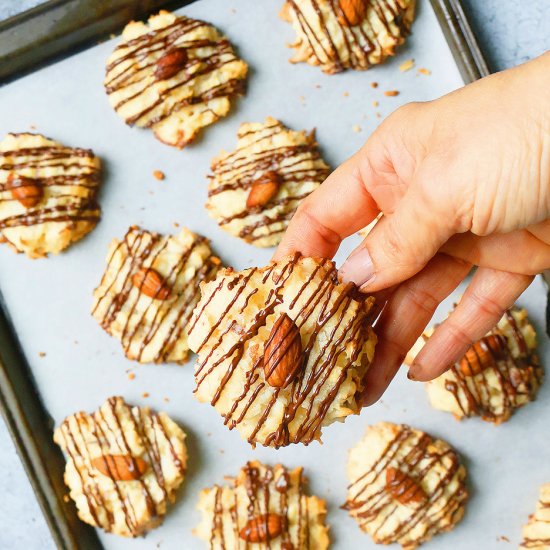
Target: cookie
x: 498, y: 374
x: 174, y: 75
x: 48, y: 194
x: 255, y: 190
x: 149, y: 290
x: 282, y: 349
x: 263, y: 507
x: 536, y: 534
x: 124, y: 465
x: 347, y: 34
x: 405, y: 486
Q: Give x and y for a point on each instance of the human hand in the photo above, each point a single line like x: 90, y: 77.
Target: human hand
x: 463, y: 180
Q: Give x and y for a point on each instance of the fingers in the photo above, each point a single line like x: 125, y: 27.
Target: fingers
x: 405, y: 316
x: 488, y: 296
x: 531, y: 249
x: 400, y: 244
x: 337, y: 209
x: 372, y: 180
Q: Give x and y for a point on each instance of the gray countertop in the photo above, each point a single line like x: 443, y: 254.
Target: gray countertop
x: 509, y: 32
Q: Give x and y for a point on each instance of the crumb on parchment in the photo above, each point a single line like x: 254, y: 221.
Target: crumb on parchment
x: 406, y: 65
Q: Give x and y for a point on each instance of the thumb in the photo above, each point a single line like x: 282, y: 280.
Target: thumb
x: 400, y: 244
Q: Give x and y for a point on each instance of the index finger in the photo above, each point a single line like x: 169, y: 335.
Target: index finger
x: 338, y: 208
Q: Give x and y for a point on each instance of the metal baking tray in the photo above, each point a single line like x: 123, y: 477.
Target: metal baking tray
x: 57, y: 29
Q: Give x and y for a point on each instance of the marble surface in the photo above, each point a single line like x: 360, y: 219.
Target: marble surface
x: 509, y: 32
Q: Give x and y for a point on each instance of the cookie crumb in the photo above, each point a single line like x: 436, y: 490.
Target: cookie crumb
x: 166, y: 399
x: 41, y: 354
x: 374, y: 84
x: 318, y: 86
x: 391, y: 93
x: 131, y: 376
x: 378, y: 115
x: 176, y: 224
x: 346, y: 94
x: 406, y: 65
x: 503, y: 538
x: 375, y: 103
x: 424, y: 71
x: 145, y: 394
x: 356, y: 128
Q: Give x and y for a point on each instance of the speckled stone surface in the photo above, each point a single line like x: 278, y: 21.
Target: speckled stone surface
x: 509, y: 32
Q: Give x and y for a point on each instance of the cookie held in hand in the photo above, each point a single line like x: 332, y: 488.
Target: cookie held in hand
x: 282, y: 350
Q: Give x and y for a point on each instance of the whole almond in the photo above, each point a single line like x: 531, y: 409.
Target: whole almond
x: 263, y: 190
x: 354, y: 12
x: 150, y: 283
x: 171, y: 63
x: 262, y: 528
x: 482, y: 355
x: 403, y: 488
x: 282, y: 352
x: 120, y: 467
x: 27, y: 191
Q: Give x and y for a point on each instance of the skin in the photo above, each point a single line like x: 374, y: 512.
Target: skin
x: 461, y: 181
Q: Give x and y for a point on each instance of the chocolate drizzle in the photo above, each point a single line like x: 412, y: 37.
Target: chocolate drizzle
x: 335, y: 326
x: 85, y: 437
x: 131, y: 73
x: 150, y: 331
x: 300, y: 170
x: 516, y: 374
x: 338, y: 45
x: 415, y: 454
x: 264, y: 493
x: 536, y: 534
x: 69, y: 197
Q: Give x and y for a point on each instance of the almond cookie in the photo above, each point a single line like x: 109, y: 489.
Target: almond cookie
x: 48, y: 194
x: 175, y: 75
x: 263, y: 507
x: 405, y: 486
x: 255, y: 190
x: 124, y: 465
x: 347, y: 34
x: 282, y: 349
x: 498, y: 374
x: 149, y: 290
x: 536, y: 534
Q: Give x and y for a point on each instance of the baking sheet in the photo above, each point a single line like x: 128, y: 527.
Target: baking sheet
x: 49, y: 300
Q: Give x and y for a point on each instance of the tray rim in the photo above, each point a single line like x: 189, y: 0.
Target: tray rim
x: 28, y: 421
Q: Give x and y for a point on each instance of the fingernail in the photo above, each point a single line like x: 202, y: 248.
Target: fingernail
x: 358, y: 268
x: 412, y: 374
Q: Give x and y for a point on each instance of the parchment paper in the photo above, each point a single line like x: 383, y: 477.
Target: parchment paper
x: 50, y: 300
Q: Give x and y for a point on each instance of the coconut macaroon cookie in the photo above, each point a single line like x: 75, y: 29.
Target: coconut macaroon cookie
x: 282, y: 349
x: 124, y: 465
x: 48, y: 194
x: 148, y: 292
x: 263, y: 507
x: 498, y: 374
x: 536, y: 534
x: 174, y: 75
x: 405, y: 486
x: 255, y: 190
x: 347, y: 34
